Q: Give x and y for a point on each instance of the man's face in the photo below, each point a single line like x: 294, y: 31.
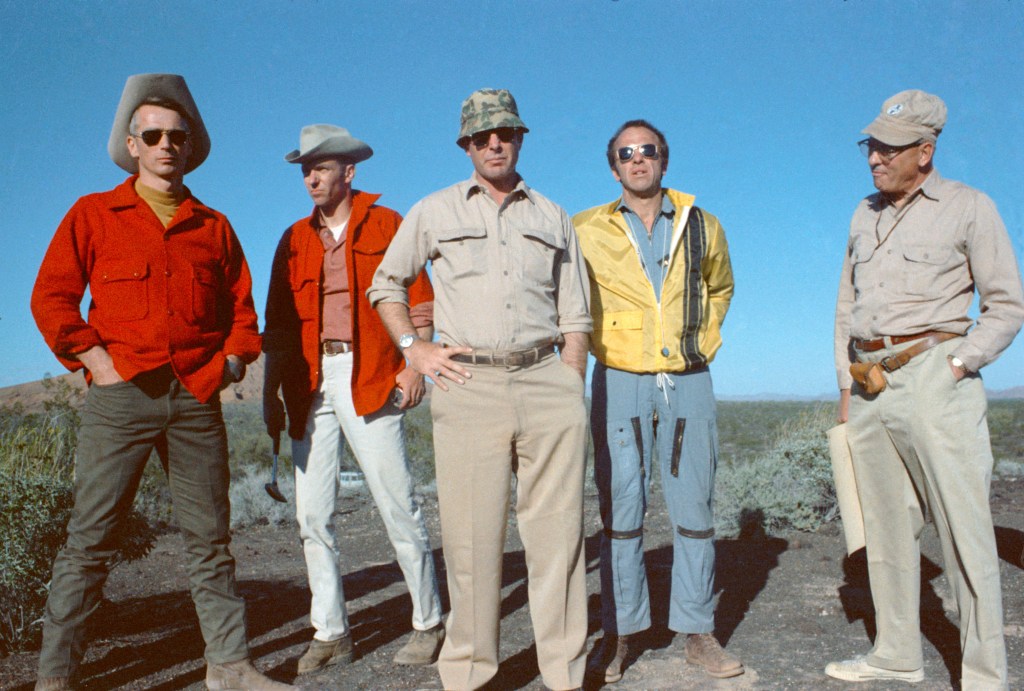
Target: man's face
x: 494, y: 154
x: 639, y: 175
x: 163, y: 160
x: 328, y: 181
x: 903, y: 173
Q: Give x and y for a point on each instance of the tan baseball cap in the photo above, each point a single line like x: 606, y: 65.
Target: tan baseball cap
x: 908, y: 117
x: 488, y: 109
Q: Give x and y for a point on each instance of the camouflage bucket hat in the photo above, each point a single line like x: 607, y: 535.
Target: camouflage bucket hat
x: 488, y: 109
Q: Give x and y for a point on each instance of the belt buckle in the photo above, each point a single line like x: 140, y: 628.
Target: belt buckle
x: 884, y: 362
x: 515, y: 359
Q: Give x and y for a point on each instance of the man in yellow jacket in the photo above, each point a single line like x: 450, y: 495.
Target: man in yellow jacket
x: 660, y: 282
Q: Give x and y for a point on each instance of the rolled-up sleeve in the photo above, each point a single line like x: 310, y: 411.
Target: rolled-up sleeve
x: 405, y: 258
x: 573, y: 285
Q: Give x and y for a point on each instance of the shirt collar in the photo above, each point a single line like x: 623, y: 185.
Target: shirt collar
x: 473, y: 187
x: 667, y: 208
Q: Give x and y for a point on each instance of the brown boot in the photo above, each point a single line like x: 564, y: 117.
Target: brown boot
x: 704, y: 649
x: 422, y: 647
x: 321, y: 654
x: 53, y: 684
x: 614, y: 650
x: 240, y: 676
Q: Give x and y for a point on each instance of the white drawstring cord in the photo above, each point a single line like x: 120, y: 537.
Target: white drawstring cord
x: 664, y: 382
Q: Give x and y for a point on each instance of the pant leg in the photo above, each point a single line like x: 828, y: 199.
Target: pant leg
x: 114, y: 442
x: 473, y: 434
x: 622, y: 427
x: 951, y: 442
x: 551, y: 448
x: 316, y: 458
x: 197, y: 468
x: 378, y: 442
x: 688, y: 457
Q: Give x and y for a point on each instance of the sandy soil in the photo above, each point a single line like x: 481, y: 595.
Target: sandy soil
x: 787, y: 605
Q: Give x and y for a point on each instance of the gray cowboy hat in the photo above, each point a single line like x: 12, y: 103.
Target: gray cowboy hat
x: 137, y: 90
x: 328, y: 141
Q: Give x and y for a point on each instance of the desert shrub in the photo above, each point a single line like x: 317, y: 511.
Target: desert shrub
x: 790, y: 484
x: 250, y: 503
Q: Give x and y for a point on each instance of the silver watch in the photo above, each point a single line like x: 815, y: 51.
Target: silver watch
x: 406, y: 340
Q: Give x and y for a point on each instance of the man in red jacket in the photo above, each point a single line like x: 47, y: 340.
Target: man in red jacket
x: 171, y: 322
x: 343, y: 379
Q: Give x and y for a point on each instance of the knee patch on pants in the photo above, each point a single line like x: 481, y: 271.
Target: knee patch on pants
x: 696, y: 534
x: 623, y: 534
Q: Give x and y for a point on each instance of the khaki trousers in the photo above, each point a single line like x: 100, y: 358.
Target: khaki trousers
x: 535, y: 417
x: 922, y: 445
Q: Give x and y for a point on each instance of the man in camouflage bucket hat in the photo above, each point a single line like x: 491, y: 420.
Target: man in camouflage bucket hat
x: 918, y: 432
x: 509, y: 286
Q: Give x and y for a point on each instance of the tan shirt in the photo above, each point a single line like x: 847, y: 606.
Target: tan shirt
x: 505, y: 277
x: 915, y: 269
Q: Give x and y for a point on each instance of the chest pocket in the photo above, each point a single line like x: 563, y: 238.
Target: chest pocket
x: 305, y: 296
x: 543, y: 253
x: 925, y: 266
x: 205, y: 288
x: 120, y: 290
x: 461, y: 252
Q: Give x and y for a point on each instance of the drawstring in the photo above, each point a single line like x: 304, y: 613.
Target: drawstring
x: 664, y: 382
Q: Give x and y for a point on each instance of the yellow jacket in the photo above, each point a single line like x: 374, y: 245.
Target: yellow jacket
x: 632, y: 331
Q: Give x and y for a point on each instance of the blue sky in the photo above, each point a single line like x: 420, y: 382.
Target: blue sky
x: 762, y: 103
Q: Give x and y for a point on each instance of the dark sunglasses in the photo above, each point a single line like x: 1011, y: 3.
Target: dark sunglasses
x: 153, y: 137
x: 505, y: 135
x: 626, y: 153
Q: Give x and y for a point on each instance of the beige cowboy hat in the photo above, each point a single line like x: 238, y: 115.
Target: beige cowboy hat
x: 138, y: 90
x: 328, y: 141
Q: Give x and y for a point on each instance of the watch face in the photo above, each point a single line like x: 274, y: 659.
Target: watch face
x: 405, y: 341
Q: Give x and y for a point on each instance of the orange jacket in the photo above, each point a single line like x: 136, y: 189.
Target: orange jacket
x: 180, y: 295
x: 293, y: 310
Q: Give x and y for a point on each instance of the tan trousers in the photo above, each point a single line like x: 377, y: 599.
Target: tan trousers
x: 535, y: 415
x: 924, y: 442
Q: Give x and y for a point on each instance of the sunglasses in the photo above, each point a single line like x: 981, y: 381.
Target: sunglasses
x: 505, y: 135
x: 885, y: 152
x: 626, y: 153
x: 153, y: 137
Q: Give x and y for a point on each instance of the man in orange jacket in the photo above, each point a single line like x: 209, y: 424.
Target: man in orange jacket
x: 171, y: 322
x: 343, y: 379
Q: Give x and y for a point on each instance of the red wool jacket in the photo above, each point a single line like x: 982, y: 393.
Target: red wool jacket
x: 293, y: 310
x: 180, y: 295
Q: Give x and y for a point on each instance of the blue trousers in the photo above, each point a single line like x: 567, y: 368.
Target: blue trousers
x: 632, y: 414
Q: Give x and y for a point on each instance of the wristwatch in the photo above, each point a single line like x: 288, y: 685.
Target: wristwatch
x: 406, y: 340
x: 958, y: 363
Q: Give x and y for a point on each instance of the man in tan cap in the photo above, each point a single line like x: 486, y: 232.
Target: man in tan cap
x: 344, y: 380
x: 510, y: 286
x: 907, y: 362
x: 171, y: 323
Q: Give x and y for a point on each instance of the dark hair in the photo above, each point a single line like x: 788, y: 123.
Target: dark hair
x: 662, y: 142
x: 162, y: 103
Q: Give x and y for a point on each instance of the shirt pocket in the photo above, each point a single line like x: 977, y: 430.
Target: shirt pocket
x: 306, y: 297
x: 461, y: 252
x: 925, y: 267
x: 120, y: 290
x: 205, y: 288
x: 542, y: 255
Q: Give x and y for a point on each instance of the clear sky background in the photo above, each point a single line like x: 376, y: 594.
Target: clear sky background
x: 762, y: 103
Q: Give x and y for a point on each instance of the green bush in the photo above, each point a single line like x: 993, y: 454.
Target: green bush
x: 790, y: 484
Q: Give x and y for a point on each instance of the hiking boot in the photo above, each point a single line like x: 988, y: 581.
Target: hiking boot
x: 614, y: 650
x: 321, y: 654
x: 240, y: 676
x: 704, y: 649
x: 53, y: 684
x: 858, y: 669
x: 422, y: 648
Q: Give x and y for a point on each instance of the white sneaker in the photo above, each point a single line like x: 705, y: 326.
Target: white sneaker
x: 858, y: 669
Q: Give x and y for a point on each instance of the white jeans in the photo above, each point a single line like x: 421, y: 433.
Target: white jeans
x: 378, y: 444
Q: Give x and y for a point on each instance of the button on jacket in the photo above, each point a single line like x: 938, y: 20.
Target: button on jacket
x: 294, y: 309
x: 506, y: 277
x: 180, y: 295
x: 915, y: 269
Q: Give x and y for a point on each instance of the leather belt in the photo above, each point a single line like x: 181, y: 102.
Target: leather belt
x: 894, y: 362
x: 335, y: 347
x: 873, y: 344
x: 505, y: 358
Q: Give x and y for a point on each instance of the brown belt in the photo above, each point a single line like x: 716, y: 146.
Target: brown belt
x: 871, y: 345
x: 335, y: 347
x: 505, y: 358
x: 894, y: 362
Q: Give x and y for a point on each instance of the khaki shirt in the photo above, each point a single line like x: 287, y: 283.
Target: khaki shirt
x: 506, y: 277
x: 915, y: 269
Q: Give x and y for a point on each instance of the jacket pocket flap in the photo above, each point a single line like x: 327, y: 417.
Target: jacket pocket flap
x: 548, y: 238
x: 453, y: 234
x: 926, y: 254
x: 617, y: 321
x: 123, y: 271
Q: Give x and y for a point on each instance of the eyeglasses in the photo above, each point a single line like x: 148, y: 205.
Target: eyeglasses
x: 626, y: 153
x: 153, y: 137
x: 885, y: 152
x: 505, y: 135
